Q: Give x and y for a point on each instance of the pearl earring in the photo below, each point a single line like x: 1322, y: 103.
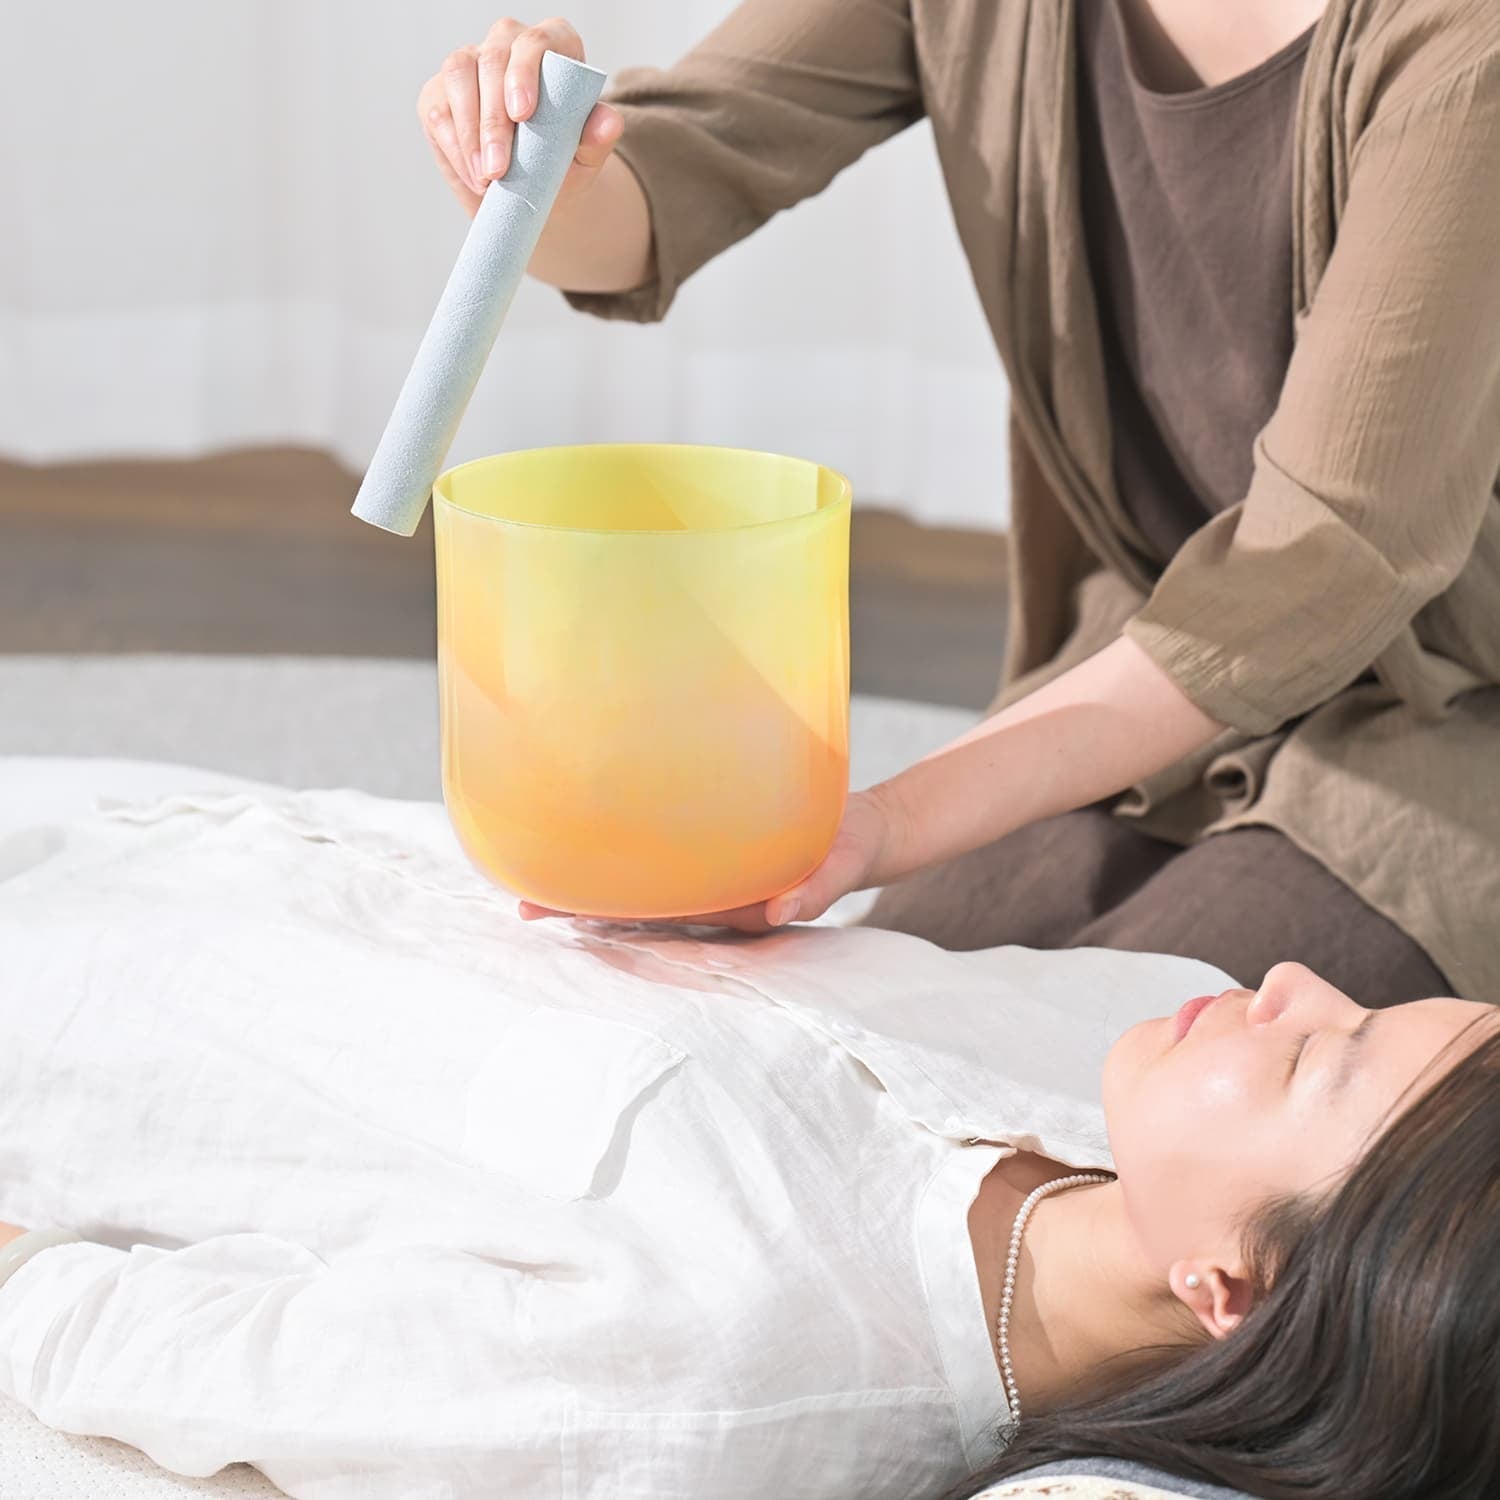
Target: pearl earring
x: 1192, y: 1281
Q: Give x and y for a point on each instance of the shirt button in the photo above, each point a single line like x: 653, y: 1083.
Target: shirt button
x: 952, y: 1124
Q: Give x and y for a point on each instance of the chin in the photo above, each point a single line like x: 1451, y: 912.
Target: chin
x: 1138, y: 1044
x: 1132, y: 1053
x: 1120, y: 1063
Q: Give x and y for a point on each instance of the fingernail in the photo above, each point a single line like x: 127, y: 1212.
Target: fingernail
x: 516, y: 101
x: 478, y: 170
x: 493, y: 160
x: 788, y: 913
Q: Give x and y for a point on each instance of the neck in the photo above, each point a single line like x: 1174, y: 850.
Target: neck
x: 1185, y: 44
x: 1084, y: 1294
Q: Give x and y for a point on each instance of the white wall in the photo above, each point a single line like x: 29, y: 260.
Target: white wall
x: 222, y: 226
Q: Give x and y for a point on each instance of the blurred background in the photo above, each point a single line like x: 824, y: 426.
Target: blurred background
x: 224, y: 237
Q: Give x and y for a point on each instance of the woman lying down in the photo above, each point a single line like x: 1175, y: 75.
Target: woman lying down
x: 391, y: 1195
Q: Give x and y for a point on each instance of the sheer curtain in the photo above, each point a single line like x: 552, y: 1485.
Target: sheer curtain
x: 225, y: 228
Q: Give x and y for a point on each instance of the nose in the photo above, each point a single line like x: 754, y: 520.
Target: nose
x: 1293, y: 988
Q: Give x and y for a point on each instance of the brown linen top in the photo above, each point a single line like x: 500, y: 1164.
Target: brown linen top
x: 1368, y: 540
x: 1187, y: 211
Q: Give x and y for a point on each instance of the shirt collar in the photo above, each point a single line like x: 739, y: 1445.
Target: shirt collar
x: 950, y: 1281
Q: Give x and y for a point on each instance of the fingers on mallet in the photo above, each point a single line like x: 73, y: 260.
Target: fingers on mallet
x: 461, y: 84
x: 450, y: 175
x: 495, y: 128
x: 444, y: 140
x: 526, y: 51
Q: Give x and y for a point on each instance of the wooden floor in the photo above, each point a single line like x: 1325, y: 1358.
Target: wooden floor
x: 255, y: 552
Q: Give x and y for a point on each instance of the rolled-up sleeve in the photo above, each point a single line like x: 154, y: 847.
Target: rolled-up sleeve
x: 1374, y: 473
x: 763, y: 113
x: 376, y: 1376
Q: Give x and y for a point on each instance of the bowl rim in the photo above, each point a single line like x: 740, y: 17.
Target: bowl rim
x: 844, y: 501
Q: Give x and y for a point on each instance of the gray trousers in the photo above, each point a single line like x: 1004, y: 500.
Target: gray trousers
x: 1242, y: 900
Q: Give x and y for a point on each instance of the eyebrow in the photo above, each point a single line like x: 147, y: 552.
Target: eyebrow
x: 1358, y: 1039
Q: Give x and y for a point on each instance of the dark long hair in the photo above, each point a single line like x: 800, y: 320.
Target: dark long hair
x: 1369, y: 1368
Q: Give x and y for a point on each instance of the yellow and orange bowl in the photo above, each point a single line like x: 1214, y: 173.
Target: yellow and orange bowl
x: 643, y: 659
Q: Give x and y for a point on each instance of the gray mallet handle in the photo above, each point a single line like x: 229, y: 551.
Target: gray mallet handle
x: 495, y: 253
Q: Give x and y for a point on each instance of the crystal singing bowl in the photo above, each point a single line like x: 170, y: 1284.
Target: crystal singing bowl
x: 643, y: 658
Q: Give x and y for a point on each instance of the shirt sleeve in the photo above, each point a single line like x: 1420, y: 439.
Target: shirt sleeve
x: 374, y: 1375
x: 1373, y: 475
x: 763, y: 113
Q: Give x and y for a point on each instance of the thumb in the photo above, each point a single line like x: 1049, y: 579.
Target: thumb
x: 600, y: 135
x: 836, y: 876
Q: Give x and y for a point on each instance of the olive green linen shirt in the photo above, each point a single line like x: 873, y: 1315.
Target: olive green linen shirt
x: 1342, y: 620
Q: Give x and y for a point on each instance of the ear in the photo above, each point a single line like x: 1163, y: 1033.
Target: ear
x: 1218, y: 1298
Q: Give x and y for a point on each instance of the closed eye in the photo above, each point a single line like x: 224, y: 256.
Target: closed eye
x: 1295, y: 1056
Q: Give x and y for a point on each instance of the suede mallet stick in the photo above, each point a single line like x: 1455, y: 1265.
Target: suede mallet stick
x: 490, y: 265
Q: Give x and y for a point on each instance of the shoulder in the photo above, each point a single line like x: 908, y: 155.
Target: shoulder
x: 1392, y: 55
x: 966, y: 42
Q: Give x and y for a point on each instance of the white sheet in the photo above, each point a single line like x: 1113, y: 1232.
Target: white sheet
x: 51, y: 788
x: 36, y: 1462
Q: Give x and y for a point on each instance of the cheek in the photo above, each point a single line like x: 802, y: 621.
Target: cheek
x: 1158, y: 1097
x: 1187, y: 1145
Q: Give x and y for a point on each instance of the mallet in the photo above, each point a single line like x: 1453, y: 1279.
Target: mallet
x: 490, y: 265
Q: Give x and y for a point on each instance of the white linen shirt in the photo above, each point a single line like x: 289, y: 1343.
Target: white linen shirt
x: 397, y: 1196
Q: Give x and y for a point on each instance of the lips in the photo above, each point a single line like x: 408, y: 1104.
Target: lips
x: 1182, y: 1022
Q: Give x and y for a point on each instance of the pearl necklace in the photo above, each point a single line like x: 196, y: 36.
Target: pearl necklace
x: 1002, y: 1323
